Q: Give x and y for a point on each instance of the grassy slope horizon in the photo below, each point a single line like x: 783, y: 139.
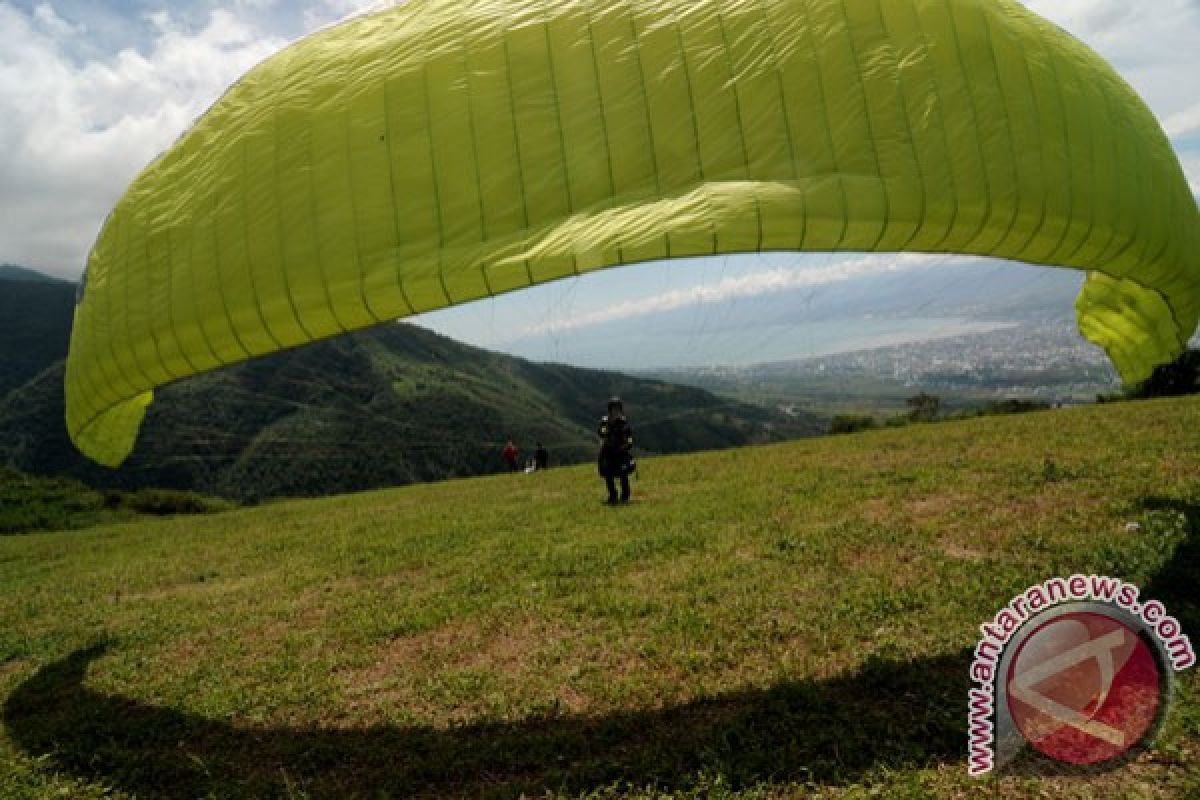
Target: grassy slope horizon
x: 782, y: 621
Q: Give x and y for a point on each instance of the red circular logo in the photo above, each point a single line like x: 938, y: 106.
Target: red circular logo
x: 1084, y: 688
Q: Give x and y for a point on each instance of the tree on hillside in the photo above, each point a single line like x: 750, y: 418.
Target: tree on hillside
x: 852, y: 423
x: 924, y: 407
x: 1180, y: 377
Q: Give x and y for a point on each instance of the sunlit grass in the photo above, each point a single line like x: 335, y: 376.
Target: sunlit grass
x: 767, y: 622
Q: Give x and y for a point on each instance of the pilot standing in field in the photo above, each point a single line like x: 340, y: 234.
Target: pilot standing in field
x: 616, y: 451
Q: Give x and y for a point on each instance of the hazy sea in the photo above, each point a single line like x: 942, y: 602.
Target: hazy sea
x: 650, y: 349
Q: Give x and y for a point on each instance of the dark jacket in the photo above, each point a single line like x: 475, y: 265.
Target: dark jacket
x: 616, y: 447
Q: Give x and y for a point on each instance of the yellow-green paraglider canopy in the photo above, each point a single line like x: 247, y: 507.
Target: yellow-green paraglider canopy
x: 447, y: 150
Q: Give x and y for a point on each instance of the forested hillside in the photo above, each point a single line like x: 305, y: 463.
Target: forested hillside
x: 393, y: 405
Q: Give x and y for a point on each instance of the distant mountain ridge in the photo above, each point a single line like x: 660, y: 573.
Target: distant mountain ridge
x: 35, y: 327
x: 11, y: 272
x: 392, y: 405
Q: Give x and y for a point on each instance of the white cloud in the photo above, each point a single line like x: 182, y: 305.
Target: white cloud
x: 1184, y: 123
x: 1191, y: 166
x: 52, y: 23
x: 328, y: 12
x: 75, y: 134
x: 775, y: 279
x: 1088, y: 19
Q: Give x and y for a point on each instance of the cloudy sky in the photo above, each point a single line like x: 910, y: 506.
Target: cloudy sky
x: 92, y: 90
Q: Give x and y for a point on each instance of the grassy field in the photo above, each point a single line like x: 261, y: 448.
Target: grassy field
x: 784, y: 621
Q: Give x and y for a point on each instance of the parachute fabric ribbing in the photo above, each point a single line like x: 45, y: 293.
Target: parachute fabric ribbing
x: 446, y: 150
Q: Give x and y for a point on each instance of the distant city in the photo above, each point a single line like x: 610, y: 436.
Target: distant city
x: 1025, y: 359
x: 1045, y: 360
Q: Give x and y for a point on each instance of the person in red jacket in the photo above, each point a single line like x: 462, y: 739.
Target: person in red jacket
x: 510, y: 454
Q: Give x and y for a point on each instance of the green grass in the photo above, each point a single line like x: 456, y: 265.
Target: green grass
x: 783, y: 621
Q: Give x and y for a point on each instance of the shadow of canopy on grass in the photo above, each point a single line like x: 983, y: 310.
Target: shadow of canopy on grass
x: 1175, y: 585
x: 888, y: 714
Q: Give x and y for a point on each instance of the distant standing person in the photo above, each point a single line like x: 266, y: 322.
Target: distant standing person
x: 510, y: 454
x: 616, y: 451
x: 541, y: 458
